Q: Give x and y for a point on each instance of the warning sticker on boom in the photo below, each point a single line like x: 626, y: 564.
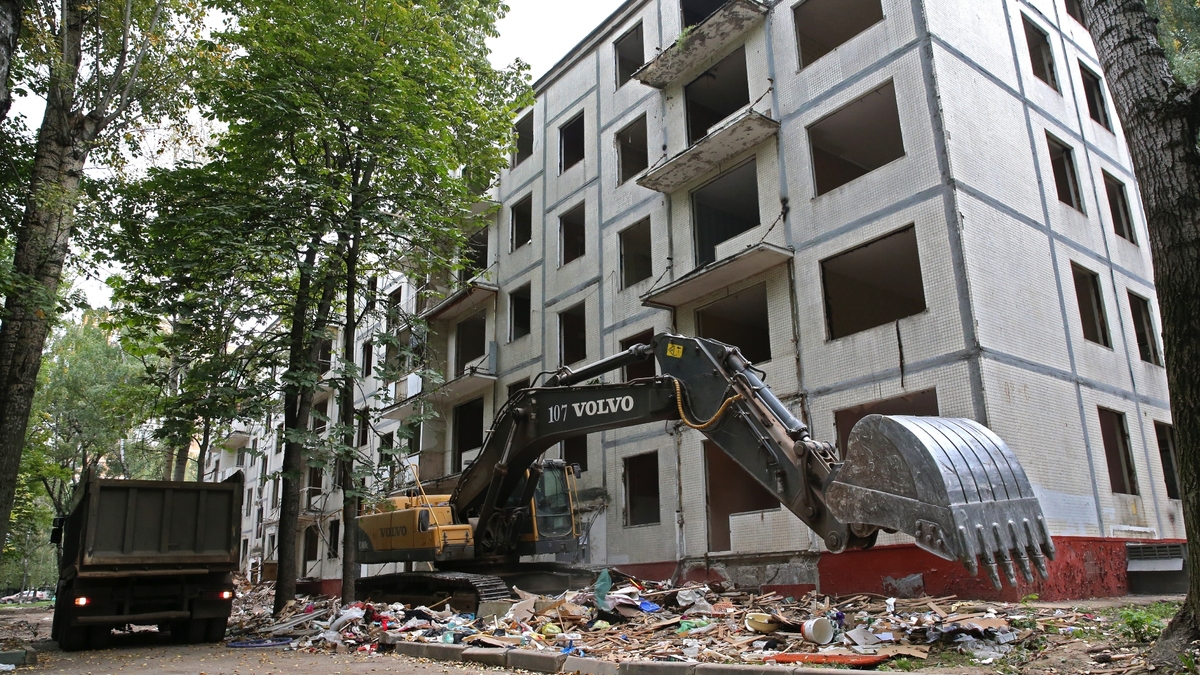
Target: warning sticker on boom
x: 675, y: 351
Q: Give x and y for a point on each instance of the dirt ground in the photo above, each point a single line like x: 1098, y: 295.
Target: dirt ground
x: 147, y: 652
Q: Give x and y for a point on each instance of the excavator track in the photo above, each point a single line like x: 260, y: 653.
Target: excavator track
x: 464, y: 591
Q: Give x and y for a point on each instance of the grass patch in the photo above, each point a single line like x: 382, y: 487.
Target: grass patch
x: 1144, y: 623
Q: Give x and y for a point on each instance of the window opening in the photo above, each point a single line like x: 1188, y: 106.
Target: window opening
x: 716, y: 94
x: 316, y: 484
x: 723, y: 209
x: 368, y: 358
x: 1075, y: 10
x: 516, y: 387
x: 641, y: 489
x: 1066, y: 179
x: 395, y: 309
x: 729, y: 489
x: 696, y: 11
x: 325, y: 358
x: 633, y: 150
x: 572, y: 334
x: 636, y: 263
x: 312, y: 541
x: 919, y: 404
x: 524, y: 131
x: 520, y: 312
x: 1169, y: 457
x: 1143, y: 328
x: 335, y: 533
x: 572, y: 234
x: 468, y: 433
x: 364, y: 427
x: 522, y: 222
x: 575, y: 451
x: 645, y: 368
x: 474, y: 257
x: 630, y: 52
x: 320, y: 416
x: 856, y: 140
x: 1041, y: 56
x: 1093, y: 91
x: 571, y: 143
x: 1118, y: 206
x: 470, y: 342
x: 1115, y: 434
x: 1091, y: 306
x: 874, y: 284
x: 740, y: 320
x: 824, y: 25
x: 249, y: 502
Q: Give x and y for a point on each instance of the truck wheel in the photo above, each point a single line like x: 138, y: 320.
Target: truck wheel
x: 72, y: 638
x: 215, y: 629
x: 100, y: 637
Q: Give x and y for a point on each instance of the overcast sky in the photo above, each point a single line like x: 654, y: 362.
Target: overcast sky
x: 540, y: 32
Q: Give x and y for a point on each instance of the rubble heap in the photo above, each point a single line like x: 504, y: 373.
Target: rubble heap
x: 637, y: 620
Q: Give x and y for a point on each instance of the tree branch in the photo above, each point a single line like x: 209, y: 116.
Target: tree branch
x: 126, y: 94
x: 126, y: 28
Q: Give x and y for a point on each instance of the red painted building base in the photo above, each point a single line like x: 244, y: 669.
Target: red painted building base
x: 1085, y: 567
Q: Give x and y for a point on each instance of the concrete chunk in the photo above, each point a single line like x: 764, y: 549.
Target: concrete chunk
x: 413, y: 649
x: 488, y: 657
x: 549, y: 661
x: 577, y: 664
x: 656, y: 668
x: 737, y: 669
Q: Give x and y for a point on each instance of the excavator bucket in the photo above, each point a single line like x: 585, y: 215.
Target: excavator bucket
x: 952, y: 484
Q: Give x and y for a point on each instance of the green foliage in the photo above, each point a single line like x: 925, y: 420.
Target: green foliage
x: 1179, y: 33
x: 1145, y: 623
x: 28, y: 559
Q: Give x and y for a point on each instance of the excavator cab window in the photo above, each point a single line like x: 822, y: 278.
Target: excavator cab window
x: 552, y: 501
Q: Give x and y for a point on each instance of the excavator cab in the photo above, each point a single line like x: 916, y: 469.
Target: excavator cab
x: 549, y: 526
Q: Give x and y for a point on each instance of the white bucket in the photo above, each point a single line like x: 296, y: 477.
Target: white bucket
x: 819, y: 631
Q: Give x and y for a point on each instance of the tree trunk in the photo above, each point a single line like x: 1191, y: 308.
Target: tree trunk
x: 41, y: 247
x: 1161, y: 118
x: 10, y: 30
x: 181, y: 462
x: 168, y: 458
x: 205, y: 441
x: 349, y: 500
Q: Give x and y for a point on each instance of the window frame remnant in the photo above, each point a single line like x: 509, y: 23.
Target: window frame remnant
x: 642, y: 498
x: 1093, y: 93
x: 727, y: 74
x: 521, y: 222
x: 1168, y: 454
x: 1066, y: 173
x: 637, y: 263
x: 1041, y: 54
x: 470, y: 341
x: 1118, y: 207
x: 572, y: 142
x: 464, y: 414
x: 852, y: 264
x: 695, y: 12
x: 1144, y: 330
x: 1114, y: 434
x: 712, y: 224
x: 520, y: 312
x: 645, y: 368
x: 1090, y: 298
x: 920, y: 403
x: 572, y: 234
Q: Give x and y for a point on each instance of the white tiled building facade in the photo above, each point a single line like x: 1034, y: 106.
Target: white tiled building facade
x: 921, y: 206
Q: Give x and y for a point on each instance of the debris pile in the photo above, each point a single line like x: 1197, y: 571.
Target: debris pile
x: 635, y: 620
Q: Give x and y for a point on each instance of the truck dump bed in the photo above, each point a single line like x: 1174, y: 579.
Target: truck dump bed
x: 119, y: 527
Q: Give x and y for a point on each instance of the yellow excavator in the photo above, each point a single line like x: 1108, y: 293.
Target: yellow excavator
x: 951, y: 484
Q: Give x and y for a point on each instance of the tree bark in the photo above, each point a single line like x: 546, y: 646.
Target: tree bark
x: 349, y: 502
x: 202, y: 457
x: 181, y: 462
x: 1161, y: 118
x: 41, y: 247
x: 10, y: 30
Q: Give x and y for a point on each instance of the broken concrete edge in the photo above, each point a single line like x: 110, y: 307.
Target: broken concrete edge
x: 554, y: 662
x: 19, y: 657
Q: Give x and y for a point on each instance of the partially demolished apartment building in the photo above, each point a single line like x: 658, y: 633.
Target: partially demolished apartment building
x: 891, y: 206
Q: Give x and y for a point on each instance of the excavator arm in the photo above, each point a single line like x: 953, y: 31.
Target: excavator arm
x: 950, y: 483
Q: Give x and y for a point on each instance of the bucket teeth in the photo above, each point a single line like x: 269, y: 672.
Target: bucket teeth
x: 951, y: 484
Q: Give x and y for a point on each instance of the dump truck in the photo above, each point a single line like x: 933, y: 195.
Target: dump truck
x: 158, y: 553
x: 951, y: 484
